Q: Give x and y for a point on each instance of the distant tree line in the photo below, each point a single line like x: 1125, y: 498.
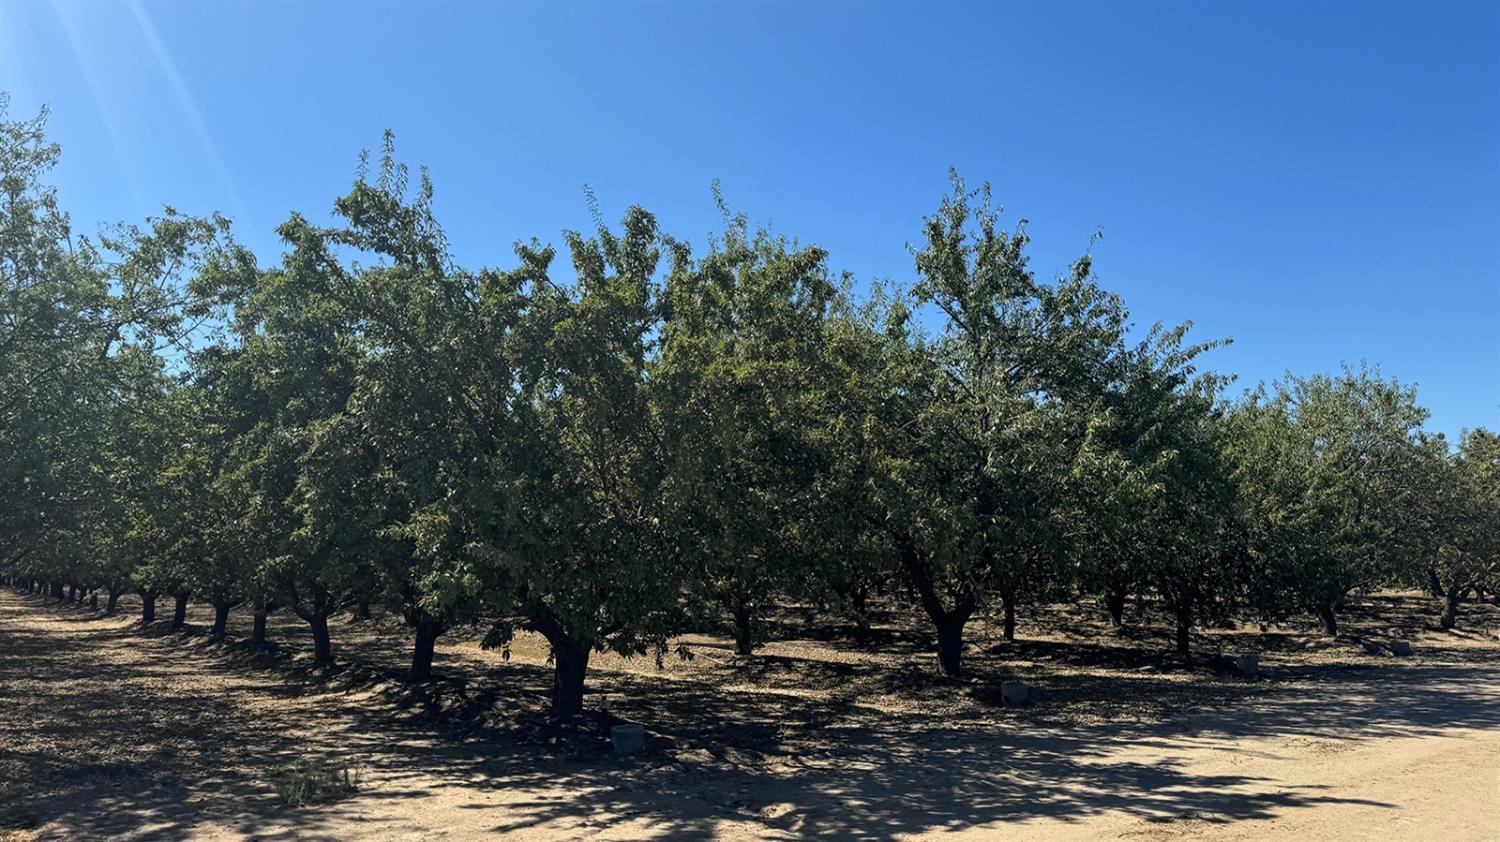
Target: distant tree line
x: 660, y: 438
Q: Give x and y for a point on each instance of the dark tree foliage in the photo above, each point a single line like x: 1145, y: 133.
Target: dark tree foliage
x: 656, y: 439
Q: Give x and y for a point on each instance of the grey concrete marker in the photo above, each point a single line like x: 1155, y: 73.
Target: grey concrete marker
x: 628, y: 739
x: 1014, y: 692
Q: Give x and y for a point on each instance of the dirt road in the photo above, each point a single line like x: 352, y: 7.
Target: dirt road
x: 111, y: 732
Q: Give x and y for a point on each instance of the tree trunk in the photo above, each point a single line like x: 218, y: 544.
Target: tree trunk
x: 72, y: 593
x: 1008, y: 630
x: 421, y: 653
x: 1184, y: 629
x: 94, y: 601
x: 570, y: 662
x: 1450, y: 608
x: 949, y: 623
x: 1434, y: 586
x: 179, y: 612
x: 744, y: 631
x: 112, y: 602
x: 148, y: 608
x: 362, y: 610
x: 1114, y: 603
x: 860, y: 603
x: 951, y: 646
x: 57, y: 590
x: 258, y: 636
x: 221, y: 618
x: 1329, y: 617
x: 322, y: 646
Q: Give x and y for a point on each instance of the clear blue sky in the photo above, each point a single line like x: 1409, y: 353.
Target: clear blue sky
x: 1320, y: 182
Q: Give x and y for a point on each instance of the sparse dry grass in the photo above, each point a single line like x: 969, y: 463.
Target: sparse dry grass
x: 312, y: 782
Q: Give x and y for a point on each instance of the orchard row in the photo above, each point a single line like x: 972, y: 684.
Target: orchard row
x: 656, y: 438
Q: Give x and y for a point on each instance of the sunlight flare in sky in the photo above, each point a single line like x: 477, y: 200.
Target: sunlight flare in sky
x: 189, y: 107
x: 66, y: 17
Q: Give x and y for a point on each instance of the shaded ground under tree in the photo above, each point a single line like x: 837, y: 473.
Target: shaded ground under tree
x: 112, y: 731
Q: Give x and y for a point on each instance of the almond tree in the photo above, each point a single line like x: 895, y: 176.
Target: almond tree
x: 1149, y: 455
x: 739, y: 385
x: 80, y: 322
x: 981, y: 421
x: 580, y: 534
x: 430, y: 405
x: 545, y: 505
x: 1464, y: 495
x: 298, y: 357
x: 1328, y: 470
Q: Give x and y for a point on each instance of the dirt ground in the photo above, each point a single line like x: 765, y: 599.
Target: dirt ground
x: 111, y: 731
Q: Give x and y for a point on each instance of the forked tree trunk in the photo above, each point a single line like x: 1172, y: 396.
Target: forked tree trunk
x: 950, y: 635
x: 948, y: 622
x: 570, y: 658
x: 179, y: 612
x: 317, y: 609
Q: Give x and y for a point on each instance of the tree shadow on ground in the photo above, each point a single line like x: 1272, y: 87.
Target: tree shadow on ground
x: 113, y: 734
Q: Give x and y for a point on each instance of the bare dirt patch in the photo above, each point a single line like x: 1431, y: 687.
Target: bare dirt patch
x: 108, y: 730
